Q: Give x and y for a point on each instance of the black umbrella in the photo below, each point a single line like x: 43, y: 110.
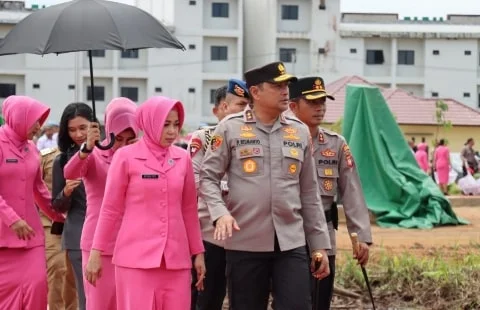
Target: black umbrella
x: 86, y: 25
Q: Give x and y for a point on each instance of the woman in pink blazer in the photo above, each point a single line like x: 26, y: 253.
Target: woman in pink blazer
x: 23, y: 268
x: 422, y: 157
x: 91, y: 164
x: 441, y: 162
x: 151, y: 190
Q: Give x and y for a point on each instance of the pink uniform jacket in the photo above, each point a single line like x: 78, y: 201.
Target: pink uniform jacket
x: 152, y: 192
x: 21, y: 184
x: 120, y: 115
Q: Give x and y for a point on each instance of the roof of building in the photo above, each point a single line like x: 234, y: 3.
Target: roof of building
x: 407, y: 108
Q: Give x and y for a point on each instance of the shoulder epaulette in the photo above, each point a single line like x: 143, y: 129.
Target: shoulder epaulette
x: 331, y: 132
x: 232, y: 116
x: 47, y: 151
x: 290, y: 118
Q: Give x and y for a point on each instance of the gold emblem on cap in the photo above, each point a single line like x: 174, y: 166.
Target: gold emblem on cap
x: 318, y: 85
x: 281, y: 69
x: 239, y: 91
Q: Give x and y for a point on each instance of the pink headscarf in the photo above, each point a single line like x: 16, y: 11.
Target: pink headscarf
x: 21, y: 113
x: 119, y: 116
x: 151, y: 116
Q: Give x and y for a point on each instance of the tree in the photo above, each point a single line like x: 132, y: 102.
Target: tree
x: 440, y: 108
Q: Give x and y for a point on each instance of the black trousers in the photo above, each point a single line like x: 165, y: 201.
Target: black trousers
x: 251, y: 275
x: 215, y: 283
x: 324, y: 287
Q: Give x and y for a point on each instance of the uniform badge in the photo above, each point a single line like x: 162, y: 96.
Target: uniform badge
x: 281, y: 69
x: 328, y: 172
x: 328, y: 153
x: 246, y: 128
x: 328, y: 185
x: 292, y: 168
x: 321, y: 138
x: 246, y: 152
x: 256, y: 151
x: 216, y: 142
x: 195, y: 146
x: 249, y: 166
x: 290, y: 133
x: 239, y: 91
x: 318, y: 85
x: 348, y: 155
x: 249, y: 115
x: 294, y: 153
x: 248, y: 135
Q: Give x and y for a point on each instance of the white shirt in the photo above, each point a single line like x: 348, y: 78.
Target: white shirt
x: 45, y: 143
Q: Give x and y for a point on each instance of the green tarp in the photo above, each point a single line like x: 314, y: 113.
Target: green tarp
x: 1, y: 120
x: 397, y: 191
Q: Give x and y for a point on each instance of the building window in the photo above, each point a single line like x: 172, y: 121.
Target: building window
x: 436, y: 52
x: 290, y: 12
x: 466, y: 95
x: 468, y: 53
x: 36, y: 86
x: 130, y: 54
x: 220, y: 9
x: 212, y: 96
x: 375, y: 57
x: 192, y: 2
x: 191, y: 46
x: 406, y: 57
x: 158, y: 89
x: 353, y: 51
x: 99, y: 93
x: 191, y: 90
x: 288, y: 54
x: 218, y: 52
x: 71, y: 86
x: 130, y: 93
x: 7, y: 90
x: 434, y: 94
x: 98, y: 53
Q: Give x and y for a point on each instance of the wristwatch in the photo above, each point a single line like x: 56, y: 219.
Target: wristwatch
x: 84, y: 149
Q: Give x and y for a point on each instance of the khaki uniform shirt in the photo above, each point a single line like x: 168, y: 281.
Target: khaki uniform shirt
x: 197, y: 147
x: 272, y: 184
x: 47, y: 158
x: 337, y: 174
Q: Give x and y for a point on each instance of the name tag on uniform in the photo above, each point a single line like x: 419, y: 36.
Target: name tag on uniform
x: 149, y: 176
x: 11, y: 160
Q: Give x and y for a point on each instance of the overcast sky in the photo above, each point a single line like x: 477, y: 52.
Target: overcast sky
x: 420, y: 8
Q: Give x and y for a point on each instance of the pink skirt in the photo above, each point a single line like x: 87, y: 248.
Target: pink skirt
x: 101, y: 296
x: 23, y: 279
x: 153, y: 289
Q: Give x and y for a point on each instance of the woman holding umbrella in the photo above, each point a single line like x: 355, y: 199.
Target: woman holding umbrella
x: 151, y: 190
x: 69, y: 194
x: 92, y: 164
x: 23, y: 268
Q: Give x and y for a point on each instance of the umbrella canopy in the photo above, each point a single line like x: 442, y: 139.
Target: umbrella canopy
x: 86, y: 25
x: 83, y: 25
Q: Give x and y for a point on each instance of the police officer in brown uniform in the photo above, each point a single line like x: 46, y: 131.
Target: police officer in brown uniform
x: 229, y: 99
x: 62, y: 293
x: 335, y: 168
x: 273, y: 204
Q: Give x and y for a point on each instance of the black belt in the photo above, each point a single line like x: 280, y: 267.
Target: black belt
x: 332, y: 215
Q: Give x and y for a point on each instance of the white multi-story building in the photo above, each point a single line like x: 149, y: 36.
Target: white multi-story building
x: 301, y: 33
x: 430, y: 57
x: 211, y: 32
x: 223, y: 38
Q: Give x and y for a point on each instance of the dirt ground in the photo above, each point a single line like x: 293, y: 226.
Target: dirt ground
x: 422, y: 241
